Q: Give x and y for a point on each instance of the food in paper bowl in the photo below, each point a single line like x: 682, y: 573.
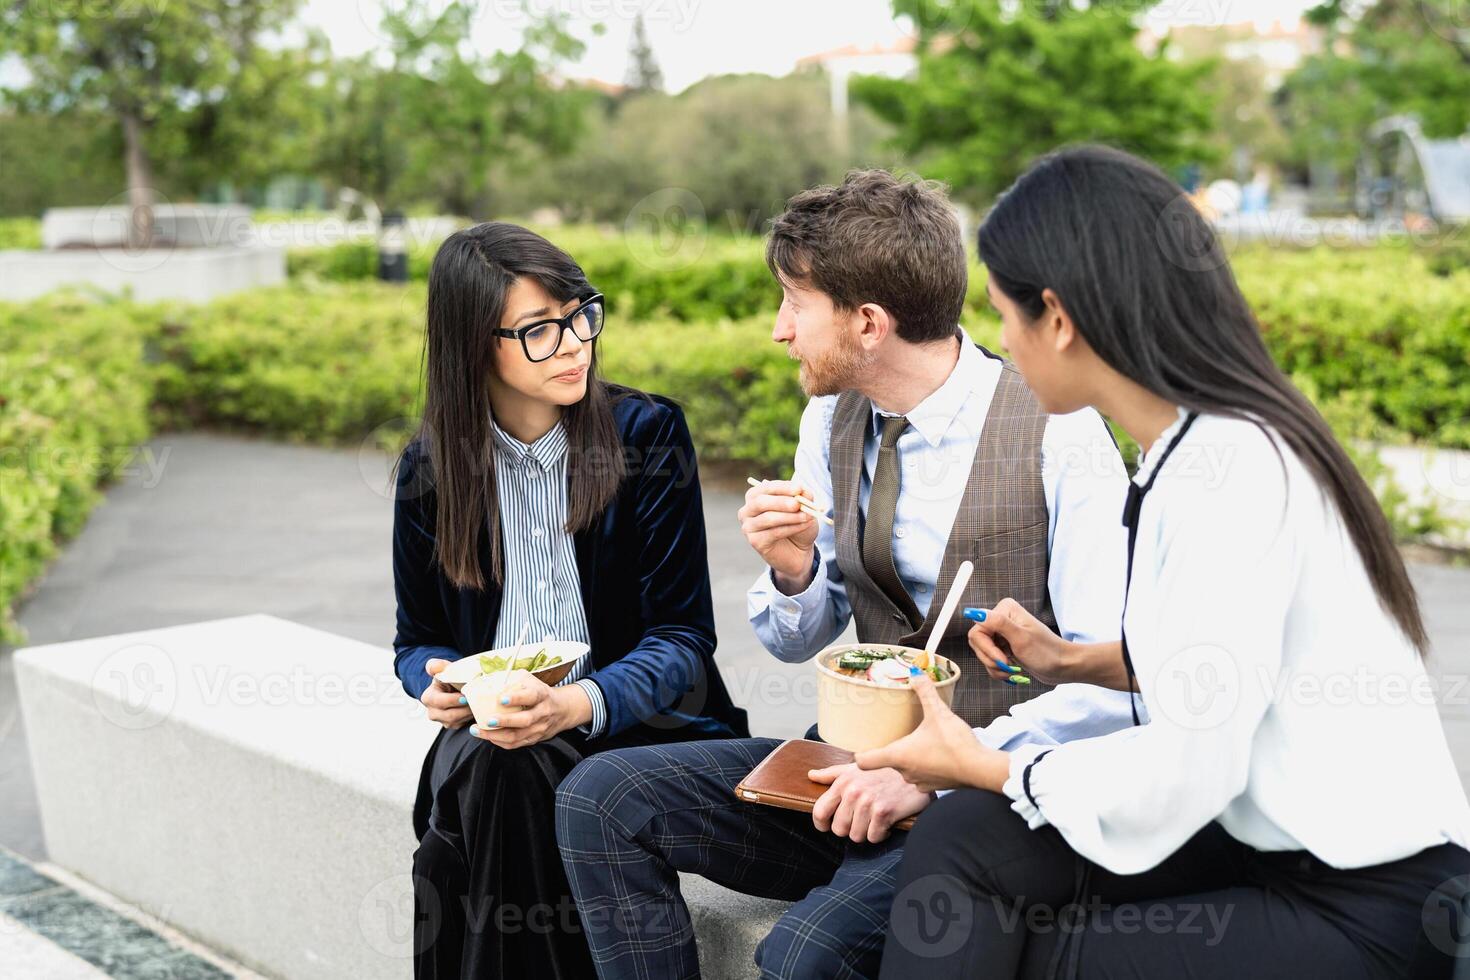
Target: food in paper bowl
x: 550, y: 662
x: 863, y: 695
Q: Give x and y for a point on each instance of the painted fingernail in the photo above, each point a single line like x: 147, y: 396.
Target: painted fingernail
x: 494, y: 722
x: 462, y: 699
x: 975, y: 615
x: 474, y: 730
x: 1015, y: 679
x: 505, y: 700
x: 1008, y: 668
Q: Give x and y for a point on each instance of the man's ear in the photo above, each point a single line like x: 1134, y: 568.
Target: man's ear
x: 1057, y: 322
x: 873, y: 324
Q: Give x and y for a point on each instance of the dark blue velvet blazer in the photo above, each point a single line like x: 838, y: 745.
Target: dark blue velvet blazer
x: 644, y: 575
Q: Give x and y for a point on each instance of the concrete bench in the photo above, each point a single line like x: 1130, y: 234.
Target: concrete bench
x: 250, y: 781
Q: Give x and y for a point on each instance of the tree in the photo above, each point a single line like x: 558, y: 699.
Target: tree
x: 644, y: 74
x: 1380, y: 59
x: 433, y: 126
x: 1412, y: 56
x: 136, y: 62
x: 723, y: 146
x: 999, y: 83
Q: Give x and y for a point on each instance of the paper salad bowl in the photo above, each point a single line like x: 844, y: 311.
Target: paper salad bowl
x: 856, y: 714
x: 466, y: 669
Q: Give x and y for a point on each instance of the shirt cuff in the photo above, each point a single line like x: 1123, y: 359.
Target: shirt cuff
x: 598, y: 725
x: 1021, y: 785
x: 789, y: 610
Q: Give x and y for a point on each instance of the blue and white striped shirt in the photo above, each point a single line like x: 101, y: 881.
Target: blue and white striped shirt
x: 541, y: 584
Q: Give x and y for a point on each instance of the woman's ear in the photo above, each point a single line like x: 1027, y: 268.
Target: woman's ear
x: 1058, y: 321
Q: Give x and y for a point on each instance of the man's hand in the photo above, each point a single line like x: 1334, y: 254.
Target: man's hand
x: 444, y: 703
x: 781, y: 532
x: 864, y: 806
x: 545, y: 713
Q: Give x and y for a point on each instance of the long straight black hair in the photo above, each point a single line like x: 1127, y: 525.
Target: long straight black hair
x: 468, y: 281
x: 1147, y: 283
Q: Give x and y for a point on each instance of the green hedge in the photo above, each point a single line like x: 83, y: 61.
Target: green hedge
x: 1387, y: 329
x: 693, y: 277
x: 246, y: 362
x: 73, y: 408
x: 20, y: 233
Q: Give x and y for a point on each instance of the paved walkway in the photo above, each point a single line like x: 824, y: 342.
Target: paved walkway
x: 211, y: 526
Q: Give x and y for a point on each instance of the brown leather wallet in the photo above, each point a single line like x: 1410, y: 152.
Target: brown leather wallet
x: 781, y: 781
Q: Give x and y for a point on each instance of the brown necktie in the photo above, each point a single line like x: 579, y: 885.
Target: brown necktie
x: 878, y: 532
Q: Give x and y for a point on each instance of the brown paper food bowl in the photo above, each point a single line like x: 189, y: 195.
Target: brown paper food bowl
x: 462, y: 671
x: 856, y: 714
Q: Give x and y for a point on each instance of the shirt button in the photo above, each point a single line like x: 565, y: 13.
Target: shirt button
x: 541, y: 584
x: 923, y: 588
x: 536, y: 532
x: 900, y: 532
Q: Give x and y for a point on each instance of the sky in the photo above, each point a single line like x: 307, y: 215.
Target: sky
x: 692, y: 39
x: 695, y: 38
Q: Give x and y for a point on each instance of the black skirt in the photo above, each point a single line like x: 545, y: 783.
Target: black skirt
x: 490, y: 895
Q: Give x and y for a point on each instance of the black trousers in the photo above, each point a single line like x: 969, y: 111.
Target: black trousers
x: 490, y: 894
x: 981, y: 894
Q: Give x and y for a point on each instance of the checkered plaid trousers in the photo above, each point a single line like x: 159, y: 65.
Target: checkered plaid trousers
x: 629, y: 820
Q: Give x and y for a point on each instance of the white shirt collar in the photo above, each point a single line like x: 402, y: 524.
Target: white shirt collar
x: 933, y: 416
x: 1147, y: 461
x: 545, y: 451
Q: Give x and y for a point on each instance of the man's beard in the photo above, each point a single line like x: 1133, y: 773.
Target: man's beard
x: 839, y: 370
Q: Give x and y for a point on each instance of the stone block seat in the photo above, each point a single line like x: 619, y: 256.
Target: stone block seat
x: 250, y: 781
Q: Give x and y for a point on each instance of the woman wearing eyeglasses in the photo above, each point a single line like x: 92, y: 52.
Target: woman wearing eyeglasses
x: 537, y: 496
x: 1285, y: 804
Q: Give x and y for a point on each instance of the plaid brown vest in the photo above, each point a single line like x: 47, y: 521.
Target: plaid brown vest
x: 1000, y: 526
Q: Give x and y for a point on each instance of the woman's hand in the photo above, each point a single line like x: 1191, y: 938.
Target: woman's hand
x: 942, y: 752
x: 547, y: 712
x: 1009, y: 635
x: 445, y: 704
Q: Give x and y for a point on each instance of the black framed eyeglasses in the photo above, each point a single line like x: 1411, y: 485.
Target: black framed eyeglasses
x: 542, y: 339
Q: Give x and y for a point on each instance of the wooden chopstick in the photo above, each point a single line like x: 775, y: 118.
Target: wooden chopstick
x: 807, y: 505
